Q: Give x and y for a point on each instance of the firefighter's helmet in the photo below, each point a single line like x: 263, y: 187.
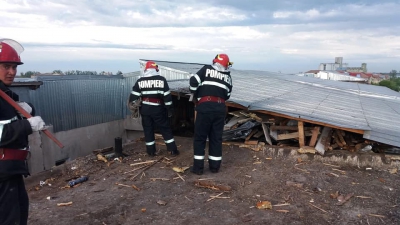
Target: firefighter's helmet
x: 10, y: 51
x: 223, y: 59
x: 151, y: 65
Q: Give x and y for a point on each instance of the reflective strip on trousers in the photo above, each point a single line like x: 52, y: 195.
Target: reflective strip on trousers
x: 150, y: 143
x: 169, y: 141
x: 199, y: 157
x: 214, y: 158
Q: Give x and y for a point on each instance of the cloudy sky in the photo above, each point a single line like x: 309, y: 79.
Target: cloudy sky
x: 284, y: 35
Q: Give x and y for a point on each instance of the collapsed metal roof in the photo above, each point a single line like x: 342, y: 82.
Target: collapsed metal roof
x: 373, y: 109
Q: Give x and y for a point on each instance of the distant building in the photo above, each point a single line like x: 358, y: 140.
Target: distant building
x: 339, y: 65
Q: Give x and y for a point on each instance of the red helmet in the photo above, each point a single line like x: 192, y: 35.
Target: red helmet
x: 9, y: 51
x: 151, y: 65
x: 222, y: 59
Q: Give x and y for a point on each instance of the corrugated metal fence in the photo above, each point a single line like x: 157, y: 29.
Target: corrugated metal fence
x: 83, y: 101
x: 69, y: 104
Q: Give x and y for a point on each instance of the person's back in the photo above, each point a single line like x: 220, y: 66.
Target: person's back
x: 211, y: 87
x: 156, y: 103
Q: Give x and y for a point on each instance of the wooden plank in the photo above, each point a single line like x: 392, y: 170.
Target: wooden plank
x: 251, y: 142
x: 238, y: 114
x: 322, y: 143
x: 266, y: 133
x: 288, y: 128
x: 233, y: 121
x: 292, y: 135
x: 314, y: 136
x: 235, y: 105
x: 300, y: 124
x: 337, y: 140
x: 340, y: 135
x: 284, y: 128
x: 258, y: 134
x: 311, y: 121
x: 251, y: 134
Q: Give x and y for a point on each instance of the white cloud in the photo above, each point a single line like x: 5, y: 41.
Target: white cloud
x: 57, y: 31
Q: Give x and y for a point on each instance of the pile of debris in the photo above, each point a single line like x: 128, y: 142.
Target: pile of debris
x: 255, y: 130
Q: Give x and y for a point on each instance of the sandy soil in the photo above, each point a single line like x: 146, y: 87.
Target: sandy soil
x: 300, y: 192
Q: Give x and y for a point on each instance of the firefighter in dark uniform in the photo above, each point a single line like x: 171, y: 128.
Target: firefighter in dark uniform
x: 211, y: 87
x: 14, y: 148
x: 156, y: 105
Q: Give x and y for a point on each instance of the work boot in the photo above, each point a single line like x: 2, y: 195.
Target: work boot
x: 196, y: 171
x: 174, y: 153
x: 152, y: 154
x: 214, y: 170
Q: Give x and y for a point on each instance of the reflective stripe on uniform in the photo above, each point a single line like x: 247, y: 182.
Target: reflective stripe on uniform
x: 169, y: 141
x: 214, y: 158
x: 4, y: 122
x: 193, y: 88
x: 153, y: 92
x: 150, y: 143
x: 199, y: 157
x: 197, y: 78
x: 215, y: 84
x: 150, y: 103
x: 167, y: 93
x: 136, y: 93
x: 168, y: 103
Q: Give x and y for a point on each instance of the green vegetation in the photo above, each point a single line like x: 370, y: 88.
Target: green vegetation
x: 393, y: 83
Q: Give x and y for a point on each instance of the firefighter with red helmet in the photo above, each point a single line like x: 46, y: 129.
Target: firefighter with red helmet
x: 14, y: 148
x: 211, y: 87
x: 156, y: 107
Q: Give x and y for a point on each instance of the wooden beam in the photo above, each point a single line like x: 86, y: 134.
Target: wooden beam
x: 300, y: 124
x: 292, y: 135
x: 314, y: 137
x: 235, y: 105
x: 289, y: 128
x: 251, y: 134
x: 311, y: 121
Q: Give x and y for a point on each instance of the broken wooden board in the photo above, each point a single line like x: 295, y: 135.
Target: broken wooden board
x: 288, y: 128
x: 250, y: 135
x: 251, y: 142
x: 321, y: 144
x: 306, y: 149
x: 292, y: 135
x: 233, y: 121
x: 314, y: 136
x: 266, y: 133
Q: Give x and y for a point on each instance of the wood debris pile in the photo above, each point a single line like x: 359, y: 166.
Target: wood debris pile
x: 256, y: 130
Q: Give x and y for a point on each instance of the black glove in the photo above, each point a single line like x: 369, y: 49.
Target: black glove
x: 170, y: 112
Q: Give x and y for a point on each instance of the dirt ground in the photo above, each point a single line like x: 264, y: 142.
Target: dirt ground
x: 300, y: 191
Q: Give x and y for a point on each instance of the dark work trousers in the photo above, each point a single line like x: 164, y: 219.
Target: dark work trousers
x: 209, y: 125
x: 149, y: 122
x: 14, y: 201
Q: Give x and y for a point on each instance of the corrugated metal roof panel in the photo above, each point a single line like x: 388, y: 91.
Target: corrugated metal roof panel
x: 371, y: 108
